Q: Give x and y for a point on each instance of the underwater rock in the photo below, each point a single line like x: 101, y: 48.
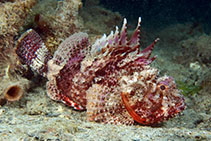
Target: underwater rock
x: 112, y: 79
x: 98, y: 20
x: 197, y: 48
x: 57, y: 23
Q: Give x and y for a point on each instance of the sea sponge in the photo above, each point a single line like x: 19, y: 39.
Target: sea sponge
x: 14, y: 90
x: 12, y: 18
x: 12, y: 85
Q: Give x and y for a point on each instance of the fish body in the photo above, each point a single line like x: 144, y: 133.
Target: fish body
x: 112, y: 79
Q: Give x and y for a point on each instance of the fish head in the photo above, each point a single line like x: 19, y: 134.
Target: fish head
x: 150, y: 99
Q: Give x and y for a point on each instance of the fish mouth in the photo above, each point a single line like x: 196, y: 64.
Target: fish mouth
x: 178, y: 108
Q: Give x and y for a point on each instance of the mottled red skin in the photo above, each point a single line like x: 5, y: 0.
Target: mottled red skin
x: 155, y: 113
x: 148, y: 98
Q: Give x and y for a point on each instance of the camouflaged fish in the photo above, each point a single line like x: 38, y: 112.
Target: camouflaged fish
x: 112, y: 79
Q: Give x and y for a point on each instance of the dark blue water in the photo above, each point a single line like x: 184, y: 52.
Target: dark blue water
x: 158, y: 13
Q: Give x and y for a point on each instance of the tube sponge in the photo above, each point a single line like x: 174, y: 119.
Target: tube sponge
x: 13, y: 90
x: 12, y: 84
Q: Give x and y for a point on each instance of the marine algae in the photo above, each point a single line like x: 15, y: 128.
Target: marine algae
x: 188, y: 89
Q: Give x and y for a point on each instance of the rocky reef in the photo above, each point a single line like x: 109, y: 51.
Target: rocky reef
x: 29, y: 114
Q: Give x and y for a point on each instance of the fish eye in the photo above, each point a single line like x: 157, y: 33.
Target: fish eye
x: 162, y: 87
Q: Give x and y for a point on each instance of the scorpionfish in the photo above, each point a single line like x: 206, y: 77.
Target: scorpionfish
x: 112, y: 79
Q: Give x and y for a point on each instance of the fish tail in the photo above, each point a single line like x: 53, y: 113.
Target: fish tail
x: 32, y: 51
